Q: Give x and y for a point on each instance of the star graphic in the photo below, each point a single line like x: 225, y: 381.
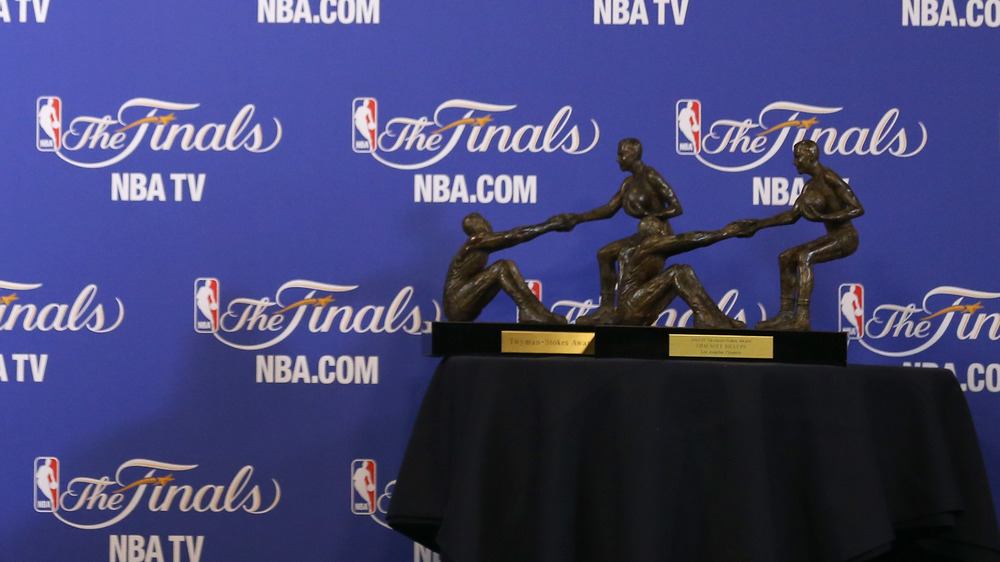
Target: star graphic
x: 324, y: 301
x: 164, y: 480
x: 483, y: 120
x: 808, y: 122
x: 166, y: 119
x: 969, y: 309
x: 9, y: 298
x: 966, y: 309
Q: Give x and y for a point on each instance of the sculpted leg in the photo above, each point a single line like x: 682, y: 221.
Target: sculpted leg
x: 833, y: 246
x: 465, y: 299
x: 788, y: 263
x: 529, y: 308
x: 706, y: 312
x: 641, y: 306
x: 801, y: 321
x: 609, y: 259
x: 797, y: 266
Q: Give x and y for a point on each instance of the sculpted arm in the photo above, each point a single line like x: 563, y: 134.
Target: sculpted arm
x: 604, y: 211
x: 679, y: 243
x: 781, y: 219
x: 493, y: 241
x: 671, y: 205
x: 852, y: 207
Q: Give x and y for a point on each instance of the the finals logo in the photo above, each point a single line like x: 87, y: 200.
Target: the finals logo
x: 252, y: 324
x: 902, y: 330
x: 738, y: 145
x: 86, y: 502
x: 162, y: 125
x: 411, y: 143
x: 21, y: 310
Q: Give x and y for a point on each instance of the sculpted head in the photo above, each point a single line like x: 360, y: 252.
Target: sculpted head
x: 806, y: 155
x: 629, y: 152
x: 474, y: 222
x: 651, y: 226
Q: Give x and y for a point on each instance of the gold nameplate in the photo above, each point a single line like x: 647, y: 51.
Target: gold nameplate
x: 569, y: 343
x: 722, y: 347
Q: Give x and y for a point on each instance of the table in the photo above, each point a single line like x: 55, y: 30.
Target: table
x: 576, y: 459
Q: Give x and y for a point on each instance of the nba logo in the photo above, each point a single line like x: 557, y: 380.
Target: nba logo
x: 48, y: 126
x: 365, y: 113
x: 535, y: 286
x: 206, y: 305
x: 363, y: 487
x: 852, y: 310
x: 688, y: 127
x: 46, y: 484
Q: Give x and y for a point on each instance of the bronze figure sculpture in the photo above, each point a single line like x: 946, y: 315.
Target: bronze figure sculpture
x: 645, y: 288
x: 470, y: 284
x: 643, y: 194
x: 825, y: 198
x: 632, y: 268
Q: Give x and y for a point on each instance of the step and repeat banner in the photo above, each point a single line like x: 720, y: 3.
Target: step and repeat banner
x: 226, y: 227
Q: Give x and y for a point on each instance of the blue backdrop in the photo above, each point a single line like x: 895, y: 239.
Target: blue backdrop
x: 227, y: 226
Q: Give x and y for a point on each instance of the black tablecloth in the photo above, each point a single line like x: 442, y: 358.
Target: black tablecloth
x: 554, y: 459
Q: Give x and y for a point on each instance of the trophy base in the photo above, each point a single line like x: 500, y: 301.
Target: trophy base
x: 637, y: 342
